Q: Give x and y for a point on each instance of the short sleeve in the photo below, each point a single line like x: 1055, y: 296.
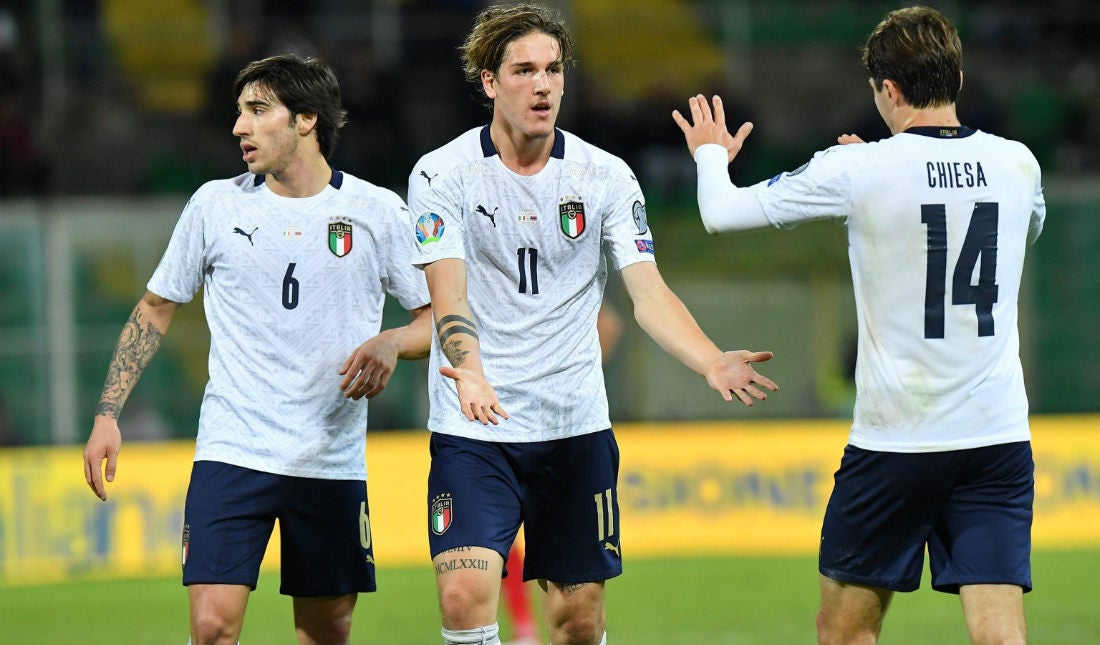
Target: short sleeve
x: 179, y: 275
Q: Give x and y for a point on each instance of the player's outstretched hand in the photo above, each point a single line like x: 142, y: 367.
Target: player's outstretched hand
x: 846, y: 139
x: 104, y: 443
x: 732, y: 374
x: 367, y: 371
x: 706, y: 127
x: 477, y: 399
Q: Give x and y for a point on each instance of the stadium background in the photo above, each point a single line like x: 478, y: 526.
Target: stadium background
x: 113, y: 111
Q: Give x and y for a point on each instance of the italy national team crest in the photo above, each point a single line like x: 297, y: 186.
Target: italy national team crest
x: 339, y: 238
x: 572, y: 218
x: 186, y: 543
x: 442, y: 513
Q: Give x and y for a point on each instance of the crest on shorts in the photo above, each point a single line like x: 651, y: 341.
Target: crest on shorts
x: 339, y: 238
x: 186, y: 542
x: 572, y: 218
x: 442, y: 513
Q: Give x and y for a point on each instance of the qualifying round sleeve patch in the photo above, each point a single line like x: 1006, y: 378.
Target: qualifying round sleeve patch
x: 429, y: 228
x: 639, y: 217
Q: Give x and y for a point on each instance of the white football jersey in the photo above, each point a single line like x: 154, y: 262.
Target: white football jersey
x: 534, y: 252
x: 938, y: 220
x: 291, y: 286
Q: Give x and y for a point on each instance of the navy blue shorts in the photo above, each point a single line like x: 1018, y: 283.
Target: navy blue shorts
x: 326, y: 545
x: 562, y: 491
x: 972, y: 508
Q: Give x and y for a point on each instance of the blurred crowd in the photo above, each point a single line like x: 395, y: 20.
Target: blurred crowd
x: 117, y: 97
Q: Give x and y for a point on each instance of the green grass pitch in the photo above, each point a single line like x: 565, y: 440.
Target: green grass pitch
x: 686, y: 601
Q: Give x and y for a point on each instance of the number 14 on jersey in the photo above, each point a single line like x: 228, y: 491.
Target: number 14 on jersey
x: 980, y: 244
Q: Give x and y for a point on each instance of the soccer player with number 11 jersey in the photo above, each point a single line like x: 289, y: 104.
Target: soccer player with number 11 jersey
x: 511, y: 223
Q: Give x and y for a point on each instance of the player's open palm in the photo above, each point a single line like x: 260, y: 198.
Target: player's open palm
x: 477, y: 399
x: 732, y: 374
x: 706, y: 126
x: 369, y: 368
x: 104, y: 443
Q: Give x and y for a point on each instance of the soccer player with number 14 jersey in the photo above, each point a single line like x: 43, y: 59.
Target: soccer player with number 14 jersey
x: 938, y: 217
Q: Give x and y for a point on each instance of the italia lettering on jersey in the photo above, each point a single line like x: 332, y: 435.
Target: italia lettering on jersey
x: 938, y: 221
x: 288, y: 296
x: 536, y: 250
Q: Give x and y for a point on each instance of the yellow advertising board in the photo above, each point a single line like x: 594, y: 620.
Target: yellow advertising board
x: 692, y: 488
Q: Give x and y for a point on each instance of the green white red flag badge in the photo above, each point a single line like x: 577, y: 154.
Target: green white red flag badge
x: 442, y: 513
x: 572, y: 218
x: 339, y: 238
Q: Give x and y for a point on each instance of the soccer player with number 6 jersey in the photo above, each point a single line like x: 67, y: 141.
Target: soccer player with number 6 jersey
x: 938, y: 218
x: 511, y: 223
x: 294, y: 259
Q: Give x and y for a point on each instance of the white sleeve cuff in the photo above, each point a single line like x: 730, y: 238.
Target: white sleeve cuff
x: 722, y: 205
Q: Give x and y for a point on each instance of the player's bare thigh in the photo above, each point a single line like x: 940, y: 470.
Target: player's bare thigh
x: 468, y: 580
x: 850, y: 613
x: 574, y: 612
x: 325, y: 620
x: 217, y: 613
x: 994, y: 613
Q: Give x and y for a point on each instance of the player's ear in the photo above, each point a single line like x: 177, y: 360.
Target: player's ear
x: 893, y: 92
x: 488, y: 80
x: 304, y: 123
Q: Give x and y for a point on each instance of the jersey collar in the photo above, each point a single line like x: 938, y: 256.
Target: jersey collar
x: 489, y: 150
x: 942, y: 131
x: 336, y: 181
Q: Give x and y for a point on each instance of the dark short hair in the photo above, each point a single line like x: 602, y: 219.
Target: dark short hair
x: 304, y: 86
x: 499, y: 25
x: 918, y: 49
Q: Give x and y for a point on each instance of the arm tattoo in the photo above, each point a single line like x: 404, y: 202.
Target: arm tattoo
x: 137, y: 344
x: 453, y: 318
x: 457, y: 329
x: 454, y: 352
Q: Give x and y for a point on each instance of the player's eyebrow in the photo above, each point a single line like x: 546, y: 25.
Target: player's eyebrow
x: 527, y: 63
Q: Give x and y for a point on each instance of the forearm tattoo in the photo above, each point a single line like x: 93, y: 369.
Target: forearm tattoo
x: 137, y: 344
x: 452, y: 347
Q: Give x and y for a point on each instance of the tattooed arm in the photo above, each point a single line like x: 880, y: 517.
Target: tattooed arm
x: 137, y: 344
x: 458, y: 338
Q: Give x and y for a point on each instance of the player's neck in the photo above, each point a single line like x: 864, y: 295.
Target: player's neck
x: 906, y: 117
x: 521, y: 154
x: 303, y: 177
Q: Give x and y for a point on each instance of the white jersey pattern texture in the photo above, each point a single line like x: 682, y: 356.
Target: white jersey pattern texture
x: 938, y: 222
x: 291, y: 286
x: 534, y: 252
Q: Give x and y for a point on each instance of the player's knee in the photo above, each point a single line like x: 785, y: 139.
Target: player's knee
x: 336, y: 631
x: 463, y: 604
x: 213, y: 629
x: 1000, y: 635
x: 832, y: 630
x: 578, y: 628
